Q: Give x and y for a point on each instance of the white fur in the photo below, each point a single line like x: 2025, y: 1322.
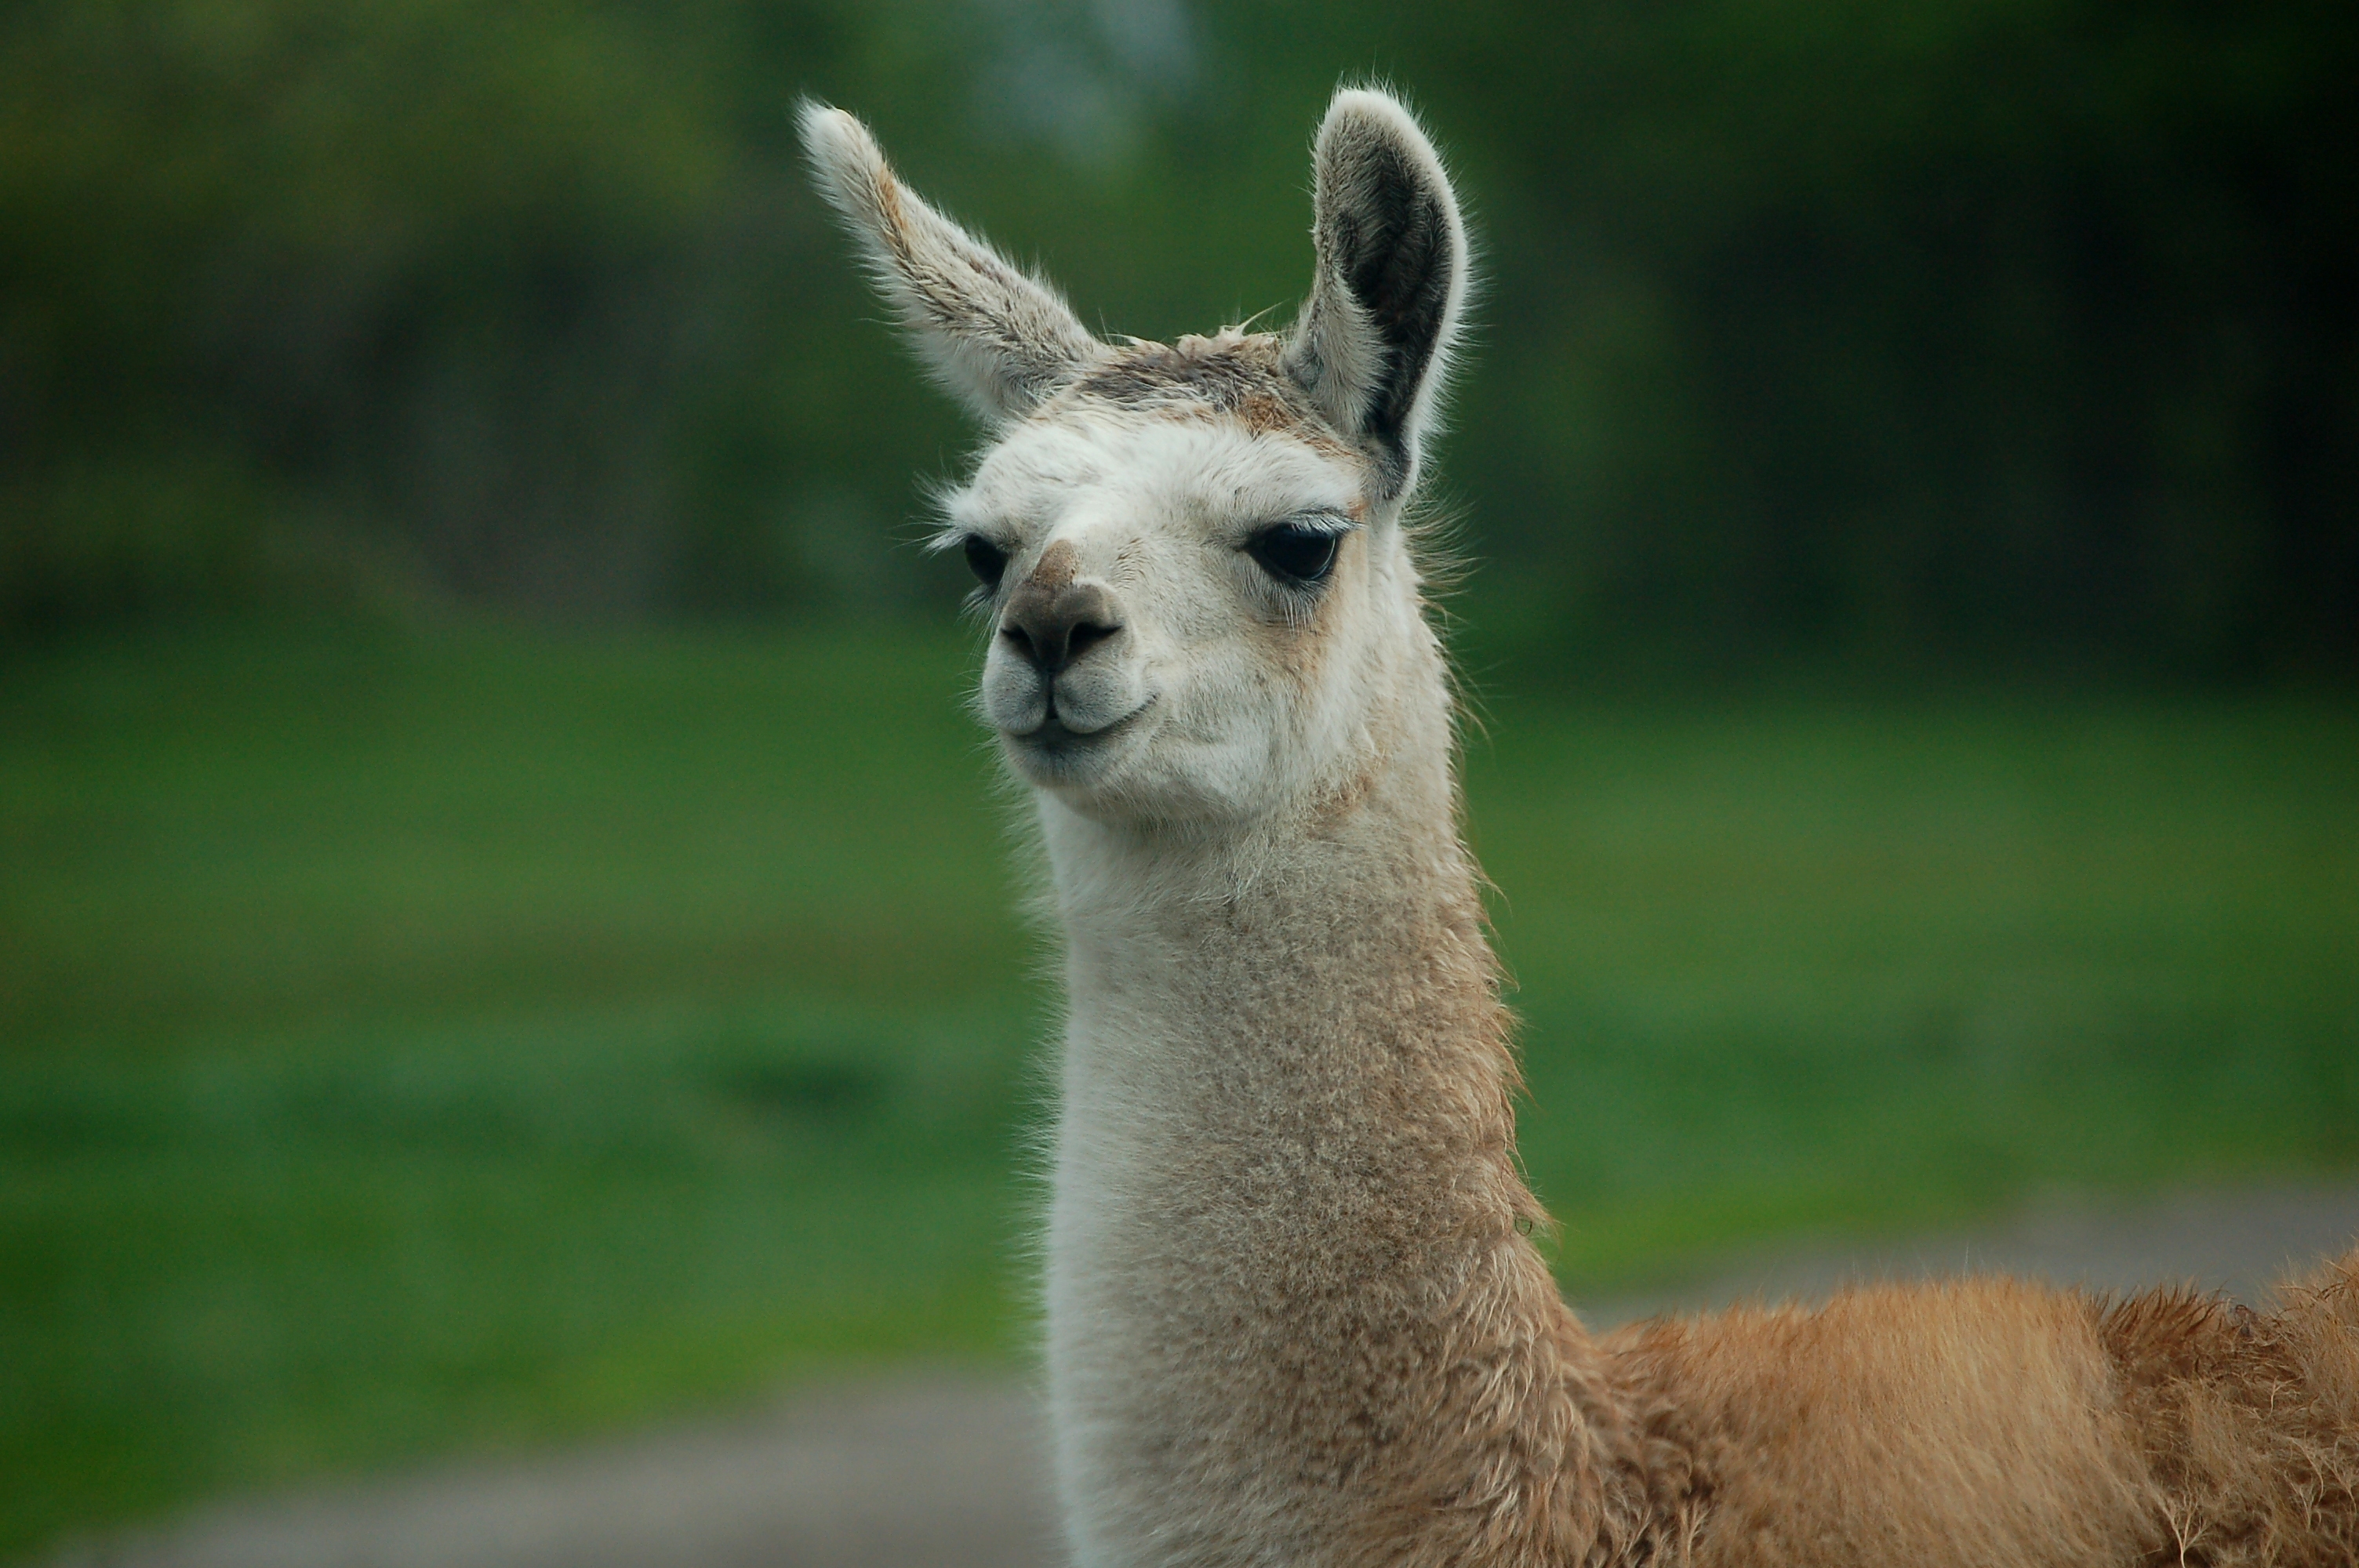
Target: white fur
x: 1269, y: 795
x: 1156, y: 511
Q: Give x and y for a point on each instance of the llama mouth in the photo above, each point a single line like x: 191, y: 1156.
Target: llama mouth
x: 1055, y: 741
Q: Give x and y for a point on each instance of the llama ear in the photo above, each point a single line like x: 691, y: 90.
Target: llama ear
x: 1373, y: 342
x: 998, y: 338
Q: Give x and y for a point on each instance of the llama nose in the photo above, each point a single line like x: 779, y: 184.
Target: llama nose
x: 1050, y: 629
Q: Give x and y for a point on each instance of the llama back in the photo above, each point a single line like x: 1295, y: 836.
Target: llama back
x: 2249, y: 1423
x: 1994, y: 1421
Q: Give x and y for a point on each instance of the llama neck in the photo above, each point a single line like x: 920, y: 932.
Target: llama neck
x: 1285, y: 1273
x: 1226, y: 979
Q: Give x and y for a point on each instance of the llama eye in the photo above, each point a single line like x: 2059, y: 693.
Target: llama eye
x: 986, y: 561
x: 1300, y: 555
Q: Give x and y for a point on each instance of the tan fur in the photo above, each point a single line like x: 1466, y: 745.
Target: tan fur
x: 1055, y: 570
x: 2248, y: 1424
x: 1293, y: 1316
x: 1233, y: 373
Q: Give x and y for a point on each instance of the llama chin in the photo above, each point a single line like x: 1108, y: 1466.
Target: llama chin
x: 1292, y: 1314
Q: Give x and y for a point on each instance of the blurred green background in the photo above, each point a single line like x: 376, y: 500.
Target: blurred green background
x: 506, y: 928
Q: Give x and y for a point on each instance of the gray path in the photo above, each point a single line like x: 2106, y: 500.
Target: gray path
x: 2239, y: 1243
x: 945, y: 1470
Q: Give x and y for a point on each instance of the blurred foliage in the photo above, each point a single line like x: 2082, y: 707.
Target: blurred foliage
x: 1996, y: 329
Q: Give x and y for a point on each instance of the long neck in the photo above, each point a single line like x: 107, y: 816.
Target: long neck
x: 1289, y: 1295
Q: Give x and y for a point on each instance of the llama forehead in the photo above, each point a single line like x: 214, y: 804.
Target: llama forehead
x: 1143, y: 472
x: 1234, y: 373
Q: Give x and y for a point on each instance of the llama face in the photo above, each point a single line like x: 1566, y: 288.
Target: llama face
x: 1178, y: 594
x: 1191, y: 555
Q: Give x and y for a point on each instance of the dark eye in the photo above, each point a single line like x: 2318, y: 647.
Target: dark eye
x: 986, y: 561
x: 1298, y: 553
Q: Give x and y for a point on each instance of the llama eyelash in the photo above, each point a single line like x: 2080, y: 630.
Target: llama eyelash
x: 985, y: 557
x: 1298, y: 553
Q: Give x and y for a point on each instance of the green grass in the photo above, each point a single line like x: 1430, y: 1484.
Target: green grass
x: 1863, y: 966
x: 417, y: 1045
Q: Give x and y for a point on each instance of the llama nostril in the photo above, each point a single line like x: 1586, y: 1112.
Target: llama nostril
x: 1050, y: 630
x: 1085, y: 636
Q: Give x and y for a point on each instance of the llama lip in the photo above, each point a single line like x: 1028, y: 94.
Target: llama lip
x: 1054, y: 736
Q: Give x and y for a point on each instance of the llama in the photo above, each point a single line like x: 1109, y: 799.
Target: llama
x: 1292, y: 1314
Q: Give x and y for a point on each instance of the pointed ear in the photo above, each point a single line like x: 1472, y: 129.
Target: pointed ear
x: 998, y: 338
x: 1373, y: 342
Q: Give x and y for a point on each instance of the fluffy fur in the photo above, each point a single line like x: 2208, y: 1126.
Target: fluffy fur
x: 995, y: 335
x: 1292, y: 1316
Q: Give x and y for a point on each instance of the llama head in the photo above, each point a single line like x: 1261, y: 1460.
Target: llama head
x: 1203, y: 600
